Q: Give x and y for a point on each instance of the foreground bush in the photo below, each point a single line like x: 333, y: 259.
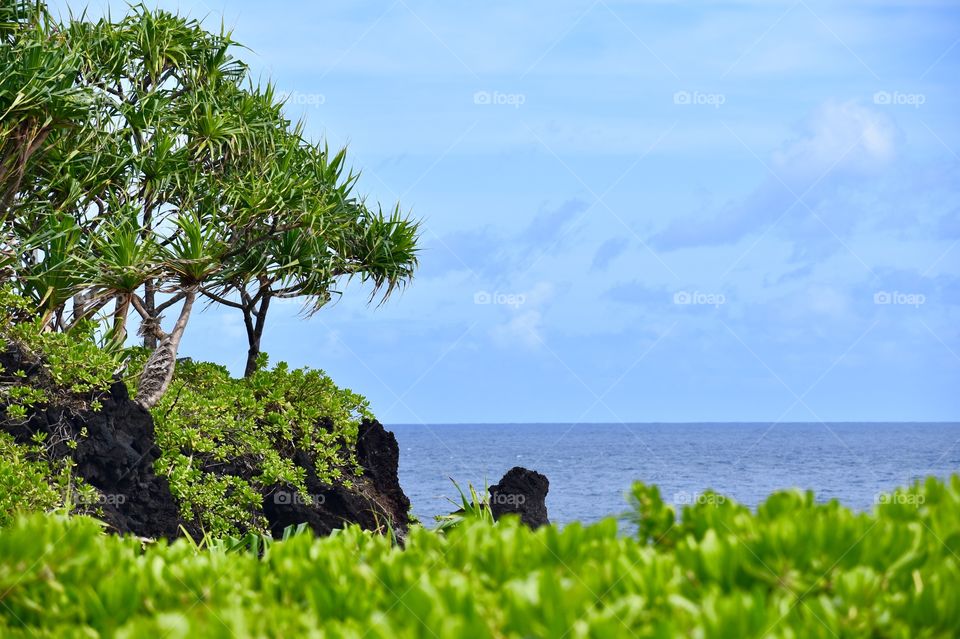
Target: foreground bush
x: 794, y: 568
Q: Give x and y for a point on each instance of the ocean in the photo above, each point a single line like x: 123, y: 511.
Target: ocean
x: 591, y: 466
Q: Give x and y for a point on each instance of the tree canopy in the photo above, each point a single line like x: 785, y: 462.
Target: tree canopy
x: 142, y: 169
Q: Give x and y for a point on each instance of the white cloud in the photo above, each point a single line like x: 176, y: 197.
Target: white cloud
x: 838, y: 137
x: 827, y: 300
x: 840, y: 145
x: 524, y: 330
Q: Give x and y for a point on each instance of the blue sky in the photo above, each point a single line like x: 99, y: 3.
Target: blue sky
x: 656, y: 211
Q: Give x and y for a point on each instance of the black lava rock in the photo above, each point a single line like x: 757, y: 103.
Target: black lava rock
x: 375, y: 501
x: 522, y: 492
x: 115, y: 449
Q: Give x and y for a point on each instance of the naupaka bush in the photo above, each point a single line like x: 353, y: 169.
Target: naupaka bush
x: 792, y: 568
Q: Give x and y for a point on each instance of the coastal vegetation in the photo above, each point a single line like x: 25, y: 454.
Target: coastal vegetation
x: 793, y: 568
x: 144, y: 173
x: 254, y: 425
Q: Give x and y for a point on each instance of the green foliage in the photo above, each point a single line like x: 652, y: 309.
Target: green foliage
x: 192, y: 255
x: 76, y: 364
x: 209, y: 421
x: 66, y: 369
x: 122, y: 257
x: 137, y: 156
x: 39, y: 98
x: 258, y: 544
x: 24, y: 482
x: 72, y: 369
x: 794, y: 569
x: 653, y: 518
x: 473, y: 506
x: 30, y: 482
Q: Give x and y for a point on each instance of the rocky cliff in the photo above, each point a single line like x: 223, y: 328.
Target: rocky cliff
x: 114, y: 449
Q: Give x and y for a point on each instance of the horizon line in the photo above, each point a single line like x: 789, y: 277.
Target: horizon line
x: 677, y: 423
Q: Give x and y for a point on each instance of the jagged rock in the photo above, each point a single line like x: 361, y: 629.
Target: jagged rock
x: 375, y: 502
x: 379, y: 454
x: 522, y: 492
x: 117, y: 457
x: 117, y: 454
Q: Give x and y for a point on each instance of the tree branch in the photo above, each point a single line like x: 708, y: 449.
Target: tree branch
x: 220, y: 300
x: 170, y: 302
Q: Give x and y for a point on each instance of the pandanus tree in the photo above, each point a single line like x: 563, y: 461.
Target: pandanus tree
x: 83, y: 209
x: 177, y: 179
x: 160, y: 76
x: 38, y: 93
x: 192, y: 256
x: 304, y: 233
x: 44, y: 131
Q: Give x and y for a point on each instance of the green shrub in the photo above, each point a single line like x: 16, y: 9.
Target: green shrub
x: 795, y: 569
x: 223, y: 438
x: 74, y: 370
x: 473, y: 505
x: 67, y: 369
x: 24, y: 482
x: 30, y: 481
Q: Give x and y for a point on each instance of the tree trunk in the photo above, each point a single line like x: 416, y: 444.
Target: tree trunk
x: 79, y: 306
x: 254, y: 333
x: 158, y: 371
x: 28, y: 146
x: 150, y: 305
x: 120, y: 313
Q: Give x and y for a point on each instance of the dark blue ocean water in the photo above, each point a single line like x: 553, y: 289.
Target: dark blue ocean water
x: 590, y: 466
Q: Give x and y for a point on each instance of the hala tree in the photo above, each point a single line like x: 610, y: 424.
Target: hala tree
x: 88, y: 214
x: 161, y: 78
x: 183, y: 180
x: 38, y: 94
x: 44, y: 131
x: 306, y: 233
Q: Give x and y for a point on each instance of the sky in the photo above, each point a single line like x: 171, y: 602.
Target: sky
x: 632, y: 211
